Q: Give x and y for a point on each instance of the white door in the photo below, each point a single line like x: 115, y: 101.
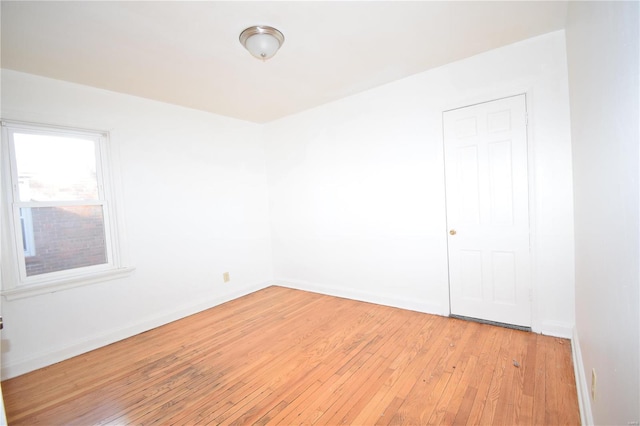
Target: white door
x: 485, y: 148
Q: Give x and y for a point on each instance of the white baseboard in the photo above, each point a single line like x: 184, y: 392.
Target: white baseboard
x: 582, y: 386
x: 556, y: 329
x: 58, y: 354
x: 548, y: 328
x: 370, y: 297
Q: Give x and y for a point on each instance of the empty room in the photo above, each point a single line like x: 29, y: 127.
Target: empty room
x: 319, y: 212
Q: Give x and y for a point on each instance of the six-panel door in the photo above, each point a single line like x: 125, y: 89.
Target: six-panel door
x: 485, y: 149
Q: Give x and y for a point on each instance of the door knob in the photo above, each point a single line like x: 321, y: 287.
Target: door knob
x: 452, y: 232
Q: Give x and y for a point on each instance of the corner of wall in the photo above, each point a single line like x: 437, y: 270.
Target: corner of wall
x: 556, y: 329
x: 584, y: 402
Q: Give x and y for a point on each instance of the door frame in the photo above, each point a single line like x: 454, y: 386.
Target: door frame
x: 3, y: 414
x: 484, y: 97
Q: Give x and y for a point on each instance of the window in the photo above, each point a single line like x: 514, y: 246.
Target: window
x: 59, y: 212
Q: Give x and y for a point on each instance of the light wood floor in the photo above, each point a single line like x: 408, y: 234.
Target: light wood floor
x: 292, y: 357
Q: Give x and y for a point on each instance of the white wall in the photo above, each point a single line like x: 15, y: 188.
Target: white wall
x: 602, y: 49
x: 357, y: 186
x: 195, y: 203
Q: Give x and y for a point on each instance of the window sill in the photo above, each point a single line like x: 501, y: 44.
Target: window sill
x: 66, y: 283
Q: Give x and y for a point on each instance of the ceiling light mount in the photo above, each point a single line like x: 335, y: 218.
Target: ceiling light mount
x: 261, y: 41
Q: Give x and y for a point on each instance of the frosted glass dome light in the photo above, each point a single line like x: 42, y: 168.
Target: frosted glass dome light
x: 261, y: 41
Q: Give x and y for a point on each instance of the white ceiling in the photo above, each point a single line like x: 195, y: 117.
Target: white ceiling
x: 187, y: 53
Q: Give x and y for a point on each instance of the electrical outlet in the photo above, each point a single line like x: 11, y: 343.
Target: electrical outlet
x: 225, y: 277
x: 594, y: 381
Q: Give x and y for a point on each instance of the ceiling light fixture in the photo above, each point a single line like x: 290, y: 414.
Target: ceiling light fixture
x: 261, y: 41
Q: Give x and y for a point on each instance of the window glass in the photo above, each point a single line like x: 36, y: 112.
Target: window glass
x: 66, y: 237
x: 55, y: 168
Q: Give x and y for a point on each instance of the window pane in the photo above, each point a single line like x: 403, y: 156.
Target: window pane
x: 65, y: 238
x: 55, y: 168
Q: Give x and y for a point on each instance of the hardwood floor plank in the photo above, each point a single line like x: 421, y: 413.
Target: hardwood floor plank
x: 283, y: 356
x: 462, y: 373
x: 464, y: 409
x: 495, y: 389
x: 403, y: 342
x: 256, y: 363
x: 352, y: 345
x: 90, y: 369
x: 540, y: 394
x: 512, y: 383
x: 450, y: 404
x: 388, y: 347
x: 364, y: 394
x: 406, y: 373
x: 429, y: 389
x: 559, y: 373
x: 568, y: 387
x: 525, y: 408
x: 486, y: 368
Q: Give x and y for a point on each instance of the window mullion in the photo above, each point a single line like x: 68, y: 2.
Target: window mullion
x: 13, y: 168
x: 18, y: 242
x: 100, y: 160
x: 60, y: 203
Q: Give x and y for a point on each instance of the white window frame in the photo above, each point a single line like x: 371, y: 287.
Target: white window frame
x: 16, y: 283
x: 26, y: 226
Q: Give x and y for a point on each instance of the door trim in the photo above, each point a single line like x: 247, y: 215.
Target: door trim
x: 531, y: 196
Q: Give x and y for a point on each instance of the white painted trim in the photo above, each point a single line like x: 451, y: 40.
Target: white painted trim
x: 524, y: 319
x: 17, y: 283
x: 58, y: 354
x: 556, y: 329
x: 533, y: 217
x: 584, y: 401
x: 363, y: 296
x: 548, y: 328
x: 511, y: 90
x: 52, y: 286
